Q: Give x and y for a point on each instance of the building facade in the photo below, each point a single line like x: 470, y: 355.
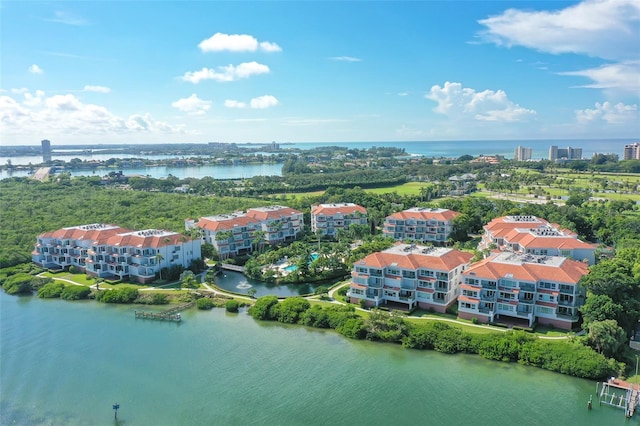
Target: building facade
x: 564, y: 154
x: 240, y: 233
x: 522, y: 154
x: 533, y: 235
x: 46, y: 150
x: 420, y: 224
x: 109, y: 251
x: 330, y: 218
x: 409, y: 276
x: 631, y: 151
x: 523, y: 287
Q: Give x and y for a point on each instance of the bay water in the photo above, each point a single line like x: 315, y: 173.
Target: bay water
x: 67, y: 363
x: 436, y: 149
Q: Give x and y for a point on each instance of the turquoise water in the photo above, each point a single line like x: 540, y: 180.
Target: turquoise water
x: 238, y: 283
x: 66, y: 363
x: 292, y: 268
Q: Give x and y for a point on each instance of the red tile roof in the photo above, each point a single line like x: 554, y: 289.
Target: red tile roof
x: 425, y: 214
x: 333, y: 209
x: 272, y: 212
x: 211, y: 224
x: 413, y: 261
x: 468, y: 299
x: 85, y: 232
x: 153, y: 240
x: 570, y: 271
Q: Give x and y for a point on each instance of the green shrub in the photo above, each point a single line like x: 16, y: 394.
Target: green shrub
x: 474, y: 320
x: 153, y: 299
x: 75, y: 292
x: 51, y: 290
x: 232, y: 305
x: 120, y: 295
x: 263, y: 307
x: 19, y: 283
x: 290, y: 309
x: 205, y: 303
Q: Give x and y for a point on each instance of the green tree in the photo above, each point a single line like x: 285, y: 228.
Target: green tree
x: 262, y: 309
x: 600, y: 307
x: 606, y: 337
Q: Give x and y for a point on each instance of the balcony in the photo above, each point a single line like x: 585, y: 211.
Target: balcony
x: 569, y: 317
x: 527, y: 287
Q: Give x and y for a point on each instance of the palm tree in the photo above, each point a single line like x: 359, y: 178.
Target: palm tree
x: 159, y: 257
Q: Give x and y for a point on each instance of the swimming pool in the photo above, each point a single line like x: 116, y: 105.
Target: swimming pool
x: 292, y: 268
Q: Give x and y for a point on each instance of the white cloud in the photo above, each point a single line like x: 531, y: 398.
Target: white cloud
x: 192, y: 105
x: 621, y: 76
x: 261, y: 102
x: 345, y: 59
x: 609, y: 113
x: 268, y: 46
x: 68, y: 115
x: 601, y: 28
x: 230, y: 103
x: 606, y: 29
x: 226, y: 73
x: 98, y: 89
x: 458, y: 102
x: 67, y: 19
x: 312, y: 121
x: 34, y: 69
x: 220, y: 42
x: 20, y: 90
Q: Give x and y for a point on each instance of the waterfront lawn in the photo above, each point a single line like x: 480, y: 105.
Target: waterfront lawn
x: 81, y: 279
x: 542, y: 330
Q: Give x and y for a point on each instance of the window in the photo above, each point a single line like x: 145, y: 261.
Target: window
x: 505, y: 307
x: 508, y: 283
x: 544, y: 310
x: 546, y: 285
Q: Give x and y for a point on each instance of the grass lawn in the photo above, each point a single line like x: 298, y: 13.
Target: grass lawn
x: 409, y: 188
x: 81, y: 279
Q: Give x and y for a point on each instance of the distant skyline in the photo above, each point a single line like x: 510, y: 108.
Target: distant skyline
x: 305, y: 71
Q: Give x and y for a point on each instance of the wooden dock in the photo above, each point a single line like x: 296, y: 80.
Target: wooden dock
x: 172, y: 314
x: 620, y: 394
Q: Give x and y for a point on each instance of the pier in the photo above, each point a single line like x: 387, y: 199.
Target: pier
x: 230, y: 267
x: 172, y: 314
x: 620, y: 394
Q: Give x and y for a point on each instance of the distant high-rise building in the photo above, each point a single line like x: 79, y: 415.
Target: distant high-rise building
x: 632, y: 151
x: 522, y: 154
x: 568, y: 153
x: 46, y: 150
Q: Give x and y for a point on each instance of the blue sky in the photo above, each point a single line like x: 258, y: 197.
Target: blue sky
x: 307, y: 71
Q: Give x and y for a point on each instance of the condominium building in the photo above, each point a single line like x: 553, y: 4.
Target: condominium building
x: 563, y: 154
x: 237, y: 233
x: 330, y: 218
x: 409, y: 276
x: 522, y: 154
x: 533, y: 235
x: 631, y: 151
x: 420, y: 224
x: 46, y: 150
x: 109, y: 251
x: 523, y: 287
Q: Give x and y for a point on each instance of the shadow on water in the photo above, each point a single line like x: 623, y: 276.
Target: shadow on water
x: 236, y: 282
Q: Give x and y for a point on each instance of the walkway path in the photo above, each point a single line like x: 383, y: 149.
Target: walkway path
x: 332, y: 299
x: 430, y: 318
